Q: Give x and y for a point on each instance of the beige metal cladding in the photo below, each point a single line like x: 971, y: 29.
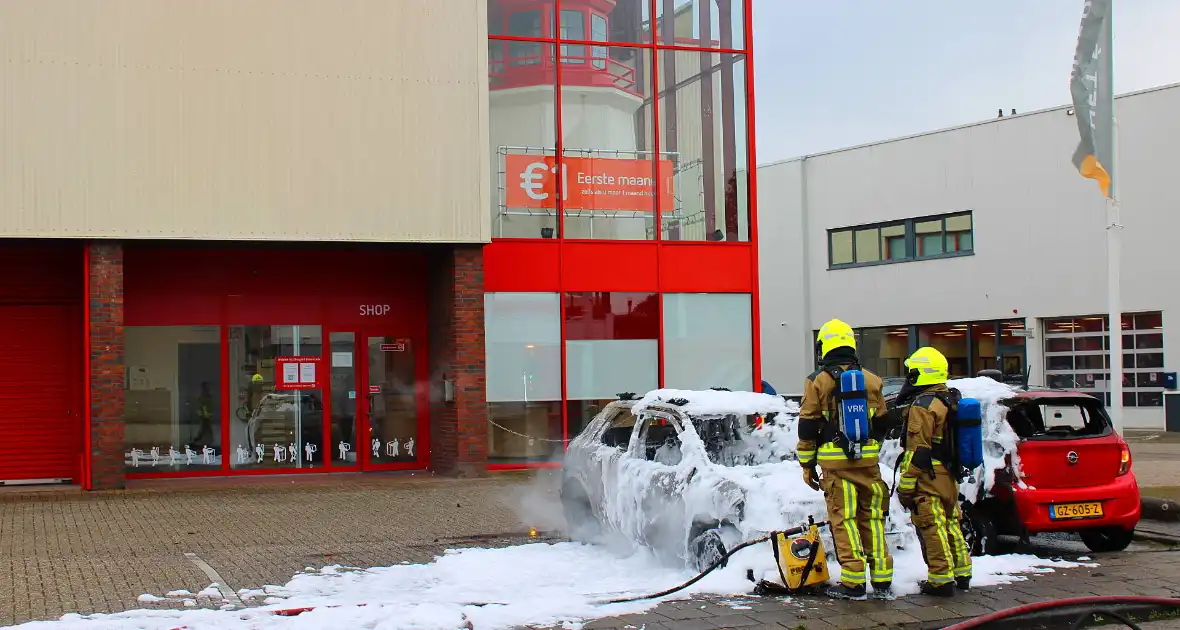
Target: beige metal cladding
x: 244, y: 119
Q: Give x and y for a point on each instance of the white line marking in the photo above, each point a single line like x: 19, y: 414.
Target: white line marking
x: 226, y: 590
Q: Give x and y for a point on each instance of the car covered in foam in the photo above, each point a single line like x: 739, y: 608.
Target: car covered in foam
x: 688, y: 473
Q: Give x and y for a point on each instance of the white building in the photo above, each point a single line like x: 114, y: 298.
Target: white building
x: 961, y: 237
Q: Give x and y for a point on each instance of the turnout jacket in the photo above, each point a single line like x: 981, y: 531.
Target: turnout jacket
x: 925, y: 431
x: 818, y: 420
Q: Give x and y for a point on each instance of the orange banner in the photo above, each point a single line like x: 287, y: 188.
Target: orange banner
x: 589, y: 183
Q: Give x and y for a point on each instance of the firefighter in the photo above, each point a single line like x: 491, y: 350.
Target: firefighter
x: 856, y: 496
x: 926, y: 487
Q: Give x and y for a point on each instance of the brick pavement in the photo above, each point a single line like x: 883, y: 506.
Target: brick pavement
x: 97, y: 552
x: 73, y: 552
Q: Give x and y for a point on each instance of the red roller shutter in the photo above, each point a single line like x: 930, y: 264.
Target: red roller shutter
x: 40, y: 426
x: 40, y: 362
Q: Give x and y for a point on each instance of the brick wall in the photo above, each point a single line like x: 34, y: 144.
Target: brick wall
x: 106, y: 364
x: 458, y: 431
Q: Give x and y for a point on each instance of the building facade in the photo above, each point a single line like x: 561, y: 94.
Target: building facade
x: 286, y: 238
x: 982, y: 241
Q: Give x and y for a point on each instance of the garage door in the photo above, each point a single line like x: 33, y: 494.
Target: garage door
x: 41, y: 382
x: 40, y: 424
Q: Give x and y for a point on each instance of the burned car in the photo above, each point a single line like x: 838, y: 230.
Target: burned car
x: 687, y: 474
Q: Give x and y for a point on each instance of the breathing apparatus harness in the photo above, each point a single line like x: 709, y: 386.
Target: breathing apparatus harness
x: 960, y: 465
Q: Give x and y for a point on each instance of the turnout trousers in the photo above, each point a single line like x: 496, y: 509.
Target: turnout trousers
x: 857, y: 499
x: 937, y: 519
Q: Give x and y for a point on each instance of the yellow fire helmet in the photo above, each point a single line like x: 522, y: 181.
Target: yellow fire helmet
x: 257, y: 378
x: 930, y: 365
x: 834, y: 334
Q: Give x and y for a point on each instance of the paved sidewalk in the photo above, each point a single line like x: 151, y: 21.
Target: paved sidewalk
x: 1154, y: 573
x: 97, y: 552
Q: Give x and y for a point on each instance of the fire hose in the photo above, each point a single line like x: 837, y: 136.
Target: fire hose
x: 1097, y: 605
x: 716, y: 564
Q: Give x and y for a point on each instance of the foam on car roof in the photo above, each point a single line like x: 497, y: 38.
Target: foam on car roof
x: 713, y: 402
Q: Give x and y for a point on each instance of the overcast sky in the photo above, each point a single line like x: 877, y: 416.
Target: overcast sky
x: 836, y: 73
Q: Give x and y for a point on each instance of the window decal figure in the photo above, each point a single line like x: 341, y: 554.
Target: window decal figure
x: 260, y: 450
x: 207, y: 454
x: 135, y: 455
x: 243, y: 455
x: 155, y: 456
x: 410, y: 447
x: 310, y: 449
x: 173, y: 455
x: 376, y: 444
x: 294, y: 451
x: 392, y: 448
x: 344, y: 448
x: 189, y: 454
x: 280, y: 452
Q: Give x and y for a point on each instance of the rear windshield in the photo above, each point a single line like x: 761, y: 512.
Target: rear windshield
x: 1048, y: 419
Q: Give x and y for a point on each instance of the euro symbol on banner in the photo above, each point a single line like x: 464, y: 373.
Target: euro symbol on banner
x: 531, y: 180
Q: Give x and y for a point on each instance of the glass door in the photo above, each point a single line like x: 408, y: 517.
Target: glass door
x: 391, y: 407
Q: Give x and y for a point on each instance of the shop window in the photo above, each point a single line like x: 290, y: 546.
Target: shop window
x: 342, y: 391
x: 701, y: 23
x: 277, y: 379
x: 703, y: 132
x: 1082, y: 345
x: 522, y: 127
x: 612, y: 187
x: 883, y: 350
x: 173, y: 412
x: 707, y: 341
x: 612, y: 346
x: 951, y: 341
x: 522, y: 339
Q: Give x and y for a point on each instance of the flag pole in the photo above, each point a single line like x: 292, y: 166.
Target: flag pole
x: 1114, y: 230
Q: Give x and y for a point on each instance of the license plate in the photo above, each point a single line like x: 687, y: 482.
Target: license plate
x: 1063, y: 511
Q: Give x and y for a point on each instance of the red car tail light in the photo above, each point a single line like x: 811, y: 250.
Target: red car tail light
x: 1124, y: 459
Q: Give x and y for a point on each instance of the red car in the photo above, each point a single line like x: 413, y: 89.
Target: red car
x: 1075, y: 476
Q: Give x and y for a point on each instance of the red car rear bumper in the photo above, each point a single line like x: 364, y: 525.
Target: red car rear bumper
x: 1120, y: 506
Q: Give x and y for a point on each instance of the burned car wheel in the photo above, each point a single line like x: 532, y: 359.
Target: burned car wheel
x: 706, y: 549
x: 1107, y: 538
x: 580, y: 522
x: 979, y: 531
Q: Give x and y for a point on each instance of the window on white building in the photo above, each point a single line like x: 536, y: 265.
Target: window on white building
x: 899, y: 241
x: 1077, y: 356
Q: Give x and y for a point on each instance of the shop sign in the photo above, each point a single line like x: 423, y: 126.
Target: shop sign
x: 399, y: 346
x: 374, y: 310
x: 297, y: 373
x: 588, y: 183
x: 374, y: 389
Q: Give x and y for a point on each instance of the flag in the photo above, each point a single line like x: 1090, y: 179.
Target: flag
x: 1090, y: 87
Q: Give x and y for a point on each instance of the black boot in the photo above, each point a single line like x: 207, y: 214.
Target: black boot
x: 944, y: 589
x: 883, y: 590
x: 963, y: 582
x: 842, y: 591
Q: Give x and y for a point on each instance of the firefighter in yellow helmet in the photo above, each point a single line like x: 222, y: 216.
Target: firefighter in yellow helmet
x: 926, y: 487
x: 856, y: 496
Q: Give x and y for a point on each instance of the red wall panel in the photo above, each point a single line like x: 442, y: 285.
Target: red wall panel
x: 706, y: 268
x: 608, y: 266
x: 199, y: 285
x: 522, y: 266
x: 41, y: 271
